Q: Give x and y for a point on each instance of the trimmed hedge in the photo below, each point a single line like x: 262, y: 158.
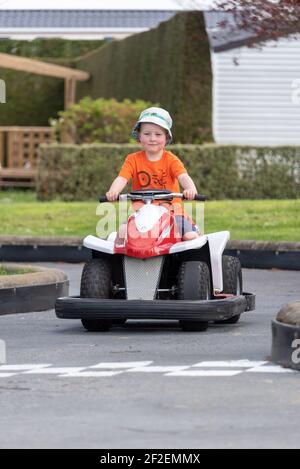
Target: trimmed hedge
x: 82, y: 172
x: 53, y: 47
x: 169, y: 65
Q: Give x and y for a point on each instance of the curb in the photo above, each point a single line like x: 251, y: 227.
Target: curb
x: 30, y: 292
x: 252, y: 254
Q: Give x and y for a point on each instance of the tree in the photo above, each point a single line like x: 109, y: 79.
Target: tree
x: 264, y: 19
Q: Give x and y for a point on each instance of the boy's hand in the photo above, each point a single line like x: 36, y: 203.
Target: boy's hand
x: 189, y: 194
x: 112, y: 195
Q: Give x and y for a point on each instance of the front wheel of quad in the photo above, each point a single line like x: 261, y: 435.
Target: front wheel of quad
x: 194, y: 284
x: 232, y: 282
x: 96, y: 325
x: 96, y: 283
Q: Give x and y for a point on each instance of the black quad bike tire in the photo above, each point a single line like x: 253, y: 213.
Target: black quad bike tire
x: 194, y: 284
x: 232, y: 282
x: 96, y: 283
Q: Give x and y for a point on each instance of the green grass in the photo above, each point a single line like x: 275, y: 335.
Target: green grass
x: 266, y: 220
x: 14, y: 272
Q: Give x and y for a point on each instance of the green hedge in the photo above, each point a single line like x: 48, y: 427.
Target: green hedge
x: 53, y: 47
x: 82, y: 172
x: 169, y: 65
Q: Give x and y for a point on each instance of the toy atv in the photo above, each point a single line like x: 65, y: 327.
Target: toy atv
x: 156, y: 275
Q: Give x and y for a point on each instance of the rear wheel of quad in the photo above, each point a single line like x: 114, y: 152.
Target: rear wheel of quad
x: 96, y: 283
x: 194, y: 284
x: 232, y: 282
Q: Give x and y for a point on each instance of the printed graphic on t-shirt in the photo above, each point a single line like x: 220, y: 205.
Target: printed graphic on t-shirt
x: 144, y: 178
x: 147, y: 179
x: 160, y: 179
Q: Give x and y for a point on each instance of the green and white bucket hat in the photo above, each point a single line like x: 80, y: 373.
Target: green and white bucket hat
x: 155, y: 115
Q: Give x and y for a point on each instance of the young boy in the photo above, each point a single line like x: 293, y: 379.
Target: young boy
x: 155, y: 168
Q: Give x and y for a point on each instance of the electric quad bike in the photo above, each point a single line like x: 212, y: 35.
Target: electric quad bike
x: 153, y: 274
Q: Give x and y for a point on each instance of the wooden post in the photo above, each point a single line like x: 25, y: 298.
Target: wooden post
x: 1, y: 149
x: 70, y: 91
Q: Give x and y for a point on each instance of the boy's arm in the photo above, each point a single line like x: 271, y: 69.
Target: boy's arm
x: 116, y: 187
x: 189, y: 188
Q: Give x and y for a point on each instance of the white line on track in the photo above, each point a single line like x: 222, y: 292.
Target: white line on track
x: 207, y: 373
x: 230, y: 364
x: 118, y: 365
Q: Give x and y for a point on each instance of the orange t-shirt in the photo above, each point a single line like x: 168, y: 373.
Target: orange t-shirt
x: 161, y: 174
x: 146, y: 174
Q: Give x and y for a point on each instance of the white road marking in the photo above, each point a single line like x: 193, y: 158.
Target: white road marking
x: 113, y: 365
x: 271, y: 369
x: 107, y: 369
x: 91, y: 374
x: 23, y: 367
x: 54, y: 371
x: 157, y: 369
x: 230, y: 364
x: 207, y: 373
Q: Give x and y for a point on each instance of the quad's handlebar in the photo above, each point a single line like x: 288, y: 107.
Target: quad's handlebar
x: 171, y: 195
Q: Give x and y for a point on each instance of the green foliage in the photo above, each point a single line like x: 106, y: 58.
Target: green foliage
x: 82, y: 172
x: 31, y: 99
x: 55, y: 47
x: 169, y: 65
x: 100, y: 120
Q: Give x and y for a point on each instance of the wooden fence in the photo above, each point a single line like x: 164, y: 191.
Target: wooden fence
x: 18, y: 154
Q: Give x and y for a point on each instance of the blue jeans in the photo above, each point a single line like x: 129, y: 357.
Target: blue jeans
x: 184, y: 225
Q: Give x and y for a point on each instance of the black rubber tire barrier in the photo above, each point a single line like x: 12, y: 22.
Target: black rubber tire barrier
x: 250, y: 258
x: 75, y: 307
x: 31, y: 298
x: 40, y: 253
x: 284, y: 349
x: 260, y: 259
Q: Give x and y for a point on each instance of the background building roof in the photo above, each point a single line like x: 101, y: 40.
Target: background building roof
x: 82, y: 18
x: 86, y: 24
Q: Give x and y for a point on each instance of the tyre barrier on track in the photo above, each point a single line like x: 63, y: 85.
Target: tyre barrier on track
x: 252, y: 254
x: 29, y: 292
x: 286, y: 336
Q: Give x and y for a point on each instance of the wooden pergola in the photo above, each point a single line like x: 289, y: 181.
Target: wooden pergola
x: 19, y: 145
x: 70, y: 75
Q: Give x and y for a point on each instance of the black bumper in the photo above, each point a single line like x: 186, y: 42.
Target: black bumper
x: 75, y: 307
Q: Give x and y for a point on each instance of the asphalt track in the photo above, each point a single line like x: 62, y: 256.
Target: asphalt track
x: 150, y: 385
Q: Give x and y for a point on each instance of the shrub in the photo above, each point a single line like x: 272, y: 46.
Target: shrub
x: 100, y: 120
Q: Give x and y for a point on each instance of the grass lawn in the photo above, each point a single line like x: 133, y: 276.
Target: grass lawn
x: 13, y: 272
x: 266, y: 220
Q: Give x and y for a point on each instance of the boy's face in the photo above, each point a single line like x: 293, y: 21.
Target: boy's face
x: 152, y: 137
